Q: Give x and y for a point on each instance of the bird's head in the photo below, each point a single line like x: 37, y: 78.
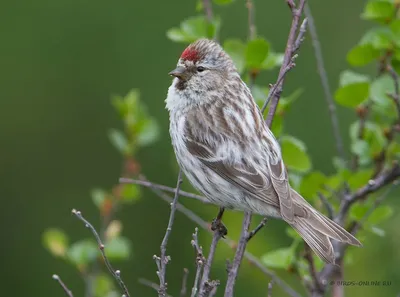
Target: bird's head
x: 203, y: 65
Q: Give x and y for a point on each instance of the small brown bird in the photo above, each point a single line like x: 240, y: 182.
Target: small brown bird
x: 229, y: 154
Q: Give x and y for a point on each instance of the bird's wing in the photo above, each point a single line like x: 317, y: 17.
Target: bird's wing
x: 214, y: 146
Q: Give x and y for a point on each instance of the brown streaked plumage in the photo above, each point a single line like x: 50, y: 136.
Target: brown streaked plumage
x: 229, y: 154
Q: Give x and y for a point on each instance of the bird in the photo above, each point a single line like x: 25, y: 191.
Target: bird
x: 229, y: 154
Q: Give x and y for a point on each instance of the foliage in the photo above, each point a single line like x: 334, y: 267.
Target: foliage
x: 139, y: 130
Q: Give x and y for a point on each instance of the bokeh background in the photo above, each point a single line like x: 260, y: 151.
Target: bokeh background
x: 60, y: 63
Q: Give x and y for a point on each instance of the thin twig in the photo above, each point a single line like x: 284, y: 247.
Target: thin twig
x: 231, y: 243
x: 206, y: 286
x: 145, y: 183
x: 274, y: 87
x: 199, y: 261
x: 163, y: 260
x: 357, y: 226
x: 382, y: 180
x: 115, y: 273
x: 325, y: 82
x: 327, y: 205
x: 251, y: 19
x: 372, y: 186
x: 288, y: 56
x: 237, y: 260
x: 273, y: 91
x: 258, y: 228
x: 208, y: 10
x: 150, y: 284
x: 63, y: 286
x: 184, y: 282
x: 270, y: 285
x: 308, y: 256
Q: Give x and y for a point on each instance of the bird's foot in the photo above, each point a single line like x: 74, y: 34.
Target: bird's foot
x: 218, y: 226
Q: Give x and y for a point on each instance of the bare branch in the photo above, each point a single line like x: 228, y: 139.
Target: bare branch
x: 247, y: 255
x: 251, y: 19
x: 199, y: 261
x: 372, y: 186
x: 308, y: 256
x: 184, y: 282
x: 258, y: 228
x: 163, y: 260
x: 325, y: 82
x: 208, y: 10
x: 270, y: 284
x: 357, y: 226
x: 150, y: 284
x: 287, y: 59
x: 145, y: 183
x: 63, y: 286
x: 206, y: 286
x: 327, y: 205
x: 237, y: 260
x: 115, y: 273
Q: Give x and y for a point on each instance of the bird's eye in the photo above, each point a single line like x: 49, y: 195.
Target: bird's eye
x: 200, y: 69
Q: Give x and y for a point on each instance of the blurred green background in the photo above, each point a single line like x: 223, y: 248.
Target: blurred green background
x: 60, y: 63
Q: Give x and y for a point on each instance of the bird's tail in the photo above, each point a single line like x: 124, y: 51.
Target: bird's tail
x: 316, y: 230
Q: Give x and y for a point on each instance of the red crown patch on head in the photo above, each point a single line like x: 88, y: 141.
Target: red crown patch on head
x: 190, y: 54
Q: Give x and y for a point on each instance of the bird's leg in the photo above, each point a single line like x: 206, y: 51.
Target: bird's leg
x: 217, y: 224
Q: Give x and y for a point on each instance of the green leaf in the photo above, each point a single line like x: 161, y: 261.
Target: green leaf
x: 236, y: 50
x: 177, y: 35
x: 358, y: 211
x: 118, y: 248
x: 377, y: 231
x: 359, y: 178
x: 256, y: 52
x: 130, y: 193
x: 148, y: 132
x: 286, y: 102
x: 395, y: 30
x: 352, y: 95
x: 119, y: 140
x: 312, y: 183
x: 348, y: 77
x: 280, y: 258
x: 372, y: 135
x: 259, y: 94
x: 295, y: 155
x: 277, y: 126
x: 273, y: 60
x: 83, y: 252
x: 292, y: 233
x: 380, y: 87
x: 380, y: 214
x: 361, y: 148
x: 378, y: 38
x: 194, y: 28
x: 223, y: 2
x: 378, y: 10
x: 362, y: 54
x: 56, y: 241
x: 98, y: 196
x: 103, y: 285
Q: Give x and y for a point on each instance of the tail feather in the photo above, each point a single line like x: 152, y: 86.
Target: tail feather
x: 317, y: 241
x: 316, y: 229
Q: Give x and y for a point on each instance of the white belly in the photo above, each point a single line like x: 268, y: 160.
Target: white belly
x: 216, y: 189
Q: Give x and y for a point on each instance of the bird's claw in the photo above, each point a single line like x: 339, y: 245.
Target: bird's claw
x: 218, y: 226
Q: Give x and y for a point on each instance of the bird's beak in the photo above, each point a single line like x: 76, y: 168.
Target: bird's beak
x: 178, y: 72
